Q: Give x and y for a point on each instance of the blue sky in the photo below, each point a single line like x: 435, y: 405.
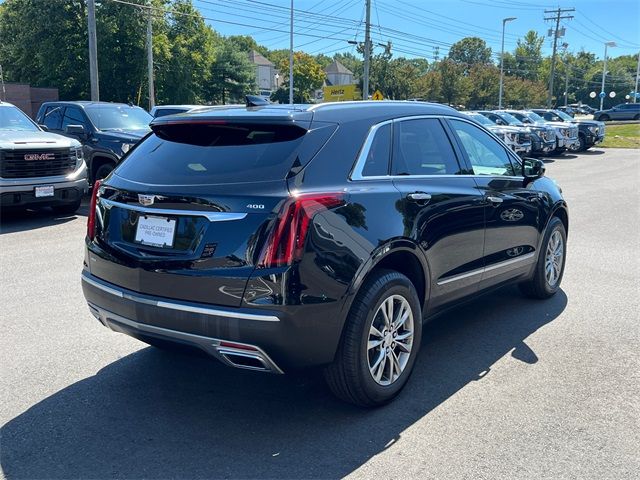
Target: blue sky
x: 425, y: 28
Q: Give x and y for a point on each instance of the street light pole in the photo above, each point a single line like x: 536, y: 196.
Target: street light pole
x: 635, y: 90
x: 604, y: 71
x: 504, y: 22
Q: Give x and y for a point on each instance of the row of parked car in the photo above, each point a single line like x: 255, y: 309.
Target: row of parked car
x: 541, y: 131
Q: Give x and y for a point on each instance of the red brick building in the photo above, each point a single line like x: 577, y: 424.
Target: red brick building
x: 28, y: 98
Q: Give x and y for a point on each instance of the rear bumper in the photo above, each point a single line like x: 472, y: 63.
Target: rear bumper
x: 278, y: 340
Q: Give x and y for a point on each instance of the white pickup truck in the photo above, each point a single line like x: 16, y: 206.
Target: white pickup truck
x: 38, y: 168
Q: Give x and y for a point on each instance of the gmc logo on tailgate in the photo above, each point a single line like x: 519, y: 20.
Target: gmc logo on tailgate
x: 39, y: 156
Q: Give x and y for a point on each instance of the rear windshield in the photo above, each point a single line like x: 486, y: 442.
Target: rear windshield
x: 197, y: 154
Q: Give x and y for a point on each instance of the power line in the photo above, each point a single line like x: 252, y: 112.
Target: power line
x: 559, y: 15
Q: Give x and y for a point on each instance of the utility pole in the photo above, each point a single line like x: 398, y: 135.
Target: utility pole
x: 504, y: 23
x: 93, y: 50
x: 566, y: 85
x: 635, y: 90
x: 367, y: 52
x: 4, y: 93
x: 152, y: 101
x: 556, y: 33
x: 291, y: 58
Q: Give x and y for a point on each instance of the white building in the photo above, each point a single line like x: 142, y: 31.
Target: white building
x: 265, y: 72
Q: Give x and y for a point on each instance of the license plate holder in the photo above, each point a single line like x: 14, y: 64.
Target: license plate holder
x: 155, y: 231
x: 44, y: 191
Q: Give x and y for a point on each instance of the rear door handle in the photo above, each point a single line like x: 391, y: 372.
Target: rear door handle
x: 494, y: 200
x: 419, y: 197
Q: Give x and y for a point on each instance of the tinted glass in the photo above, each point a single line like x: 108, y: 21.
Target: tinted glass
x: 117, y: 117
x: 423, y: 148
x: 377, y: 162
x: 53, y: 118
x: 535, y: 117
x: 202, y: 154
x: 481, y: 119
x: 163, y: 112
x: 72, y: 116
x: 12, y: 118
x: 510, y: 119
x: 487, y: 156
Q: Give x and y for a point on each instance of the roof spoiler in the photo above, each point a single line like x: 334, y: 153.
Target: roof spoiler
x: 256, y: 101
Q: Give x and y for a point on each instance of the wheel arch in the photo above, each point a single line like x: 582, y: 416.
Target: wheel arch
x: 97, y: 160
x: 401, y: 255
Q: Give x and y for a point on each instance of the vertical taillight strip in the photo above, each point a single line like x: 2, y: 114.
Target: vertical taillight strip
x: 91, y: 218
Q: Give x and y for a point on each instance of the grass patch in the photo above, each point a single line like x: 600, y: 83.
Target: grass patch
x: 622, y: 136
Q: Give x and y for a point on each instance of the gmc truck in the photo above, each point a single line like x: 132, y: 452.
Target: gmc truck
x: 37, y: 168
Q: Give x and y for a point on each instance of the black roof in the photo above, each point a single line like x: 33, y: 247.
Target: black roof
x: 338, y: 112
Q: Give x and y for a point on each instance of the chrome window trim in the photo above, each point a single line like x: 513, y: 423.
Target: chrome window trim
x: 211, y: 216
x: 356, y: 172
x: 178, y: 306
x: 478, y: 271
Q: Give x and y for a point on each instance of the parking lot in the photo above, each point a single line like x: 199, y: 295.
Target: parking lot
x: 504, y: 387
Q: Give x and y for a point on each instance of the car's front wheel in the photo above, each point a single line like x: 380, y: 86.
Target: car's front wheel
x: 380, y: 341
x: 550, y: 266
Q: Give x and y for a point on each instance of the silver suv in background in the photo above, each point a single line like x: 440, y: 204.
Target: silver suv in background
x: 38, y: 168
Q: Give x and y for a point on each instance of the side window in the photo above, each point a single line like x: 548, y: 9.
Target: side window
x: 72, y: 116
x: 377, y: 162
x: 53, y: 118
x: 487, y: 156
x: 548, y: 116
x: 422, y: 147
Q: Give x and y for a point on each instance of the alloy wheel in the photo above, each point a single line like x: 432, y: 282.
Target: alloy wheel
x: 390, y: 340
x: 553, y: 258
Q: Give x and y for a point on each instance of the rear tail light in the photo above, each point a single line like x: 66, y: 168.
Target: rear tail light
x: 285, y: 243
x: 91, y: 218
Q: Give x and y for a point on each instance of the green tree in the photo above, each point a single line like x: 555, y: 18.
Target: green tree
x: 185, y: 74
x: 484, y: 81
x: 44, y: 43
x: 232, y: 75
x: 245, y: 44
x: 455, y: 86
x: 470, y: 51
x: 528, y: 56
x: 308, y: 77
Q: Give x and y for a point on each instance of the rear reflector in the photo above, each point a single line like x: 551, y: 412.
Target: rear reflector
x: 286, y: 242
x: 91, y: 218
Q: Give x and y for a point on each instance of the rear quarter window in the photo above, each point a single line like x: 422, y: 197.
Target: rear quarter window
x: 200, y: 154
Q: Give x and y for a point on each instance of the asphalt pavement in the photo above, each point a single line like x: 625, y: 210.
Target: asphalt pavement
x: 504, y: 387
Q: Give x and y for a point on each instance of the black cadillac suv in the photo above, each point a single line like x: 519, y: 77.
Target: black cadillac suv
x: 281, y: 237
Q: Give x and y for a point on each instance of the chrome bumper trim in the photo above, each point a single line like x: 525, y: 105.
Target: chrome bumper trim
x: 213, y: 346
x: 113, y: 290
x: 211, y: 216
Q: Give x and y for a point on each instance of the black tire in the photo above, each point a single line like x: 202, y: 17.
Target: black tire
x: 67, y: 208
x: 603, y: 118
x: 582, y: 144
x: 103, y: 170
x: 637, y: 117
x: 538, y: 286
x: 349, y: 377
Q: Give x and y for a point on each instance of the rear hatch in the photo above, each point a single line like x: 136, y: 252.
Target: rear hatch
x: 186, y: 214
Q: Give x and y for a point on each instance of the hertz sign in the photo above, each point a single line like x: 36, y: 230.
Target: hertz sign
x: 341, y: 93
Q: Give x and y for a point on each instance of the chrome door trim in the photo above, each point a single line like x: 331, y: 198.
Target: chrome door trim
x: 178, y: 306
x: 211, y: 216
x: 356, y: 172
x: 494, y: 266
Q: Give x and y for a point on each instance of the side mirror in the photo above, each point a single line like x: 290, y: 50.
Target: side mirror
x: 43, y: 127
x: 532, y: 168
x: 500, y: 122
x: 77, y: 130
